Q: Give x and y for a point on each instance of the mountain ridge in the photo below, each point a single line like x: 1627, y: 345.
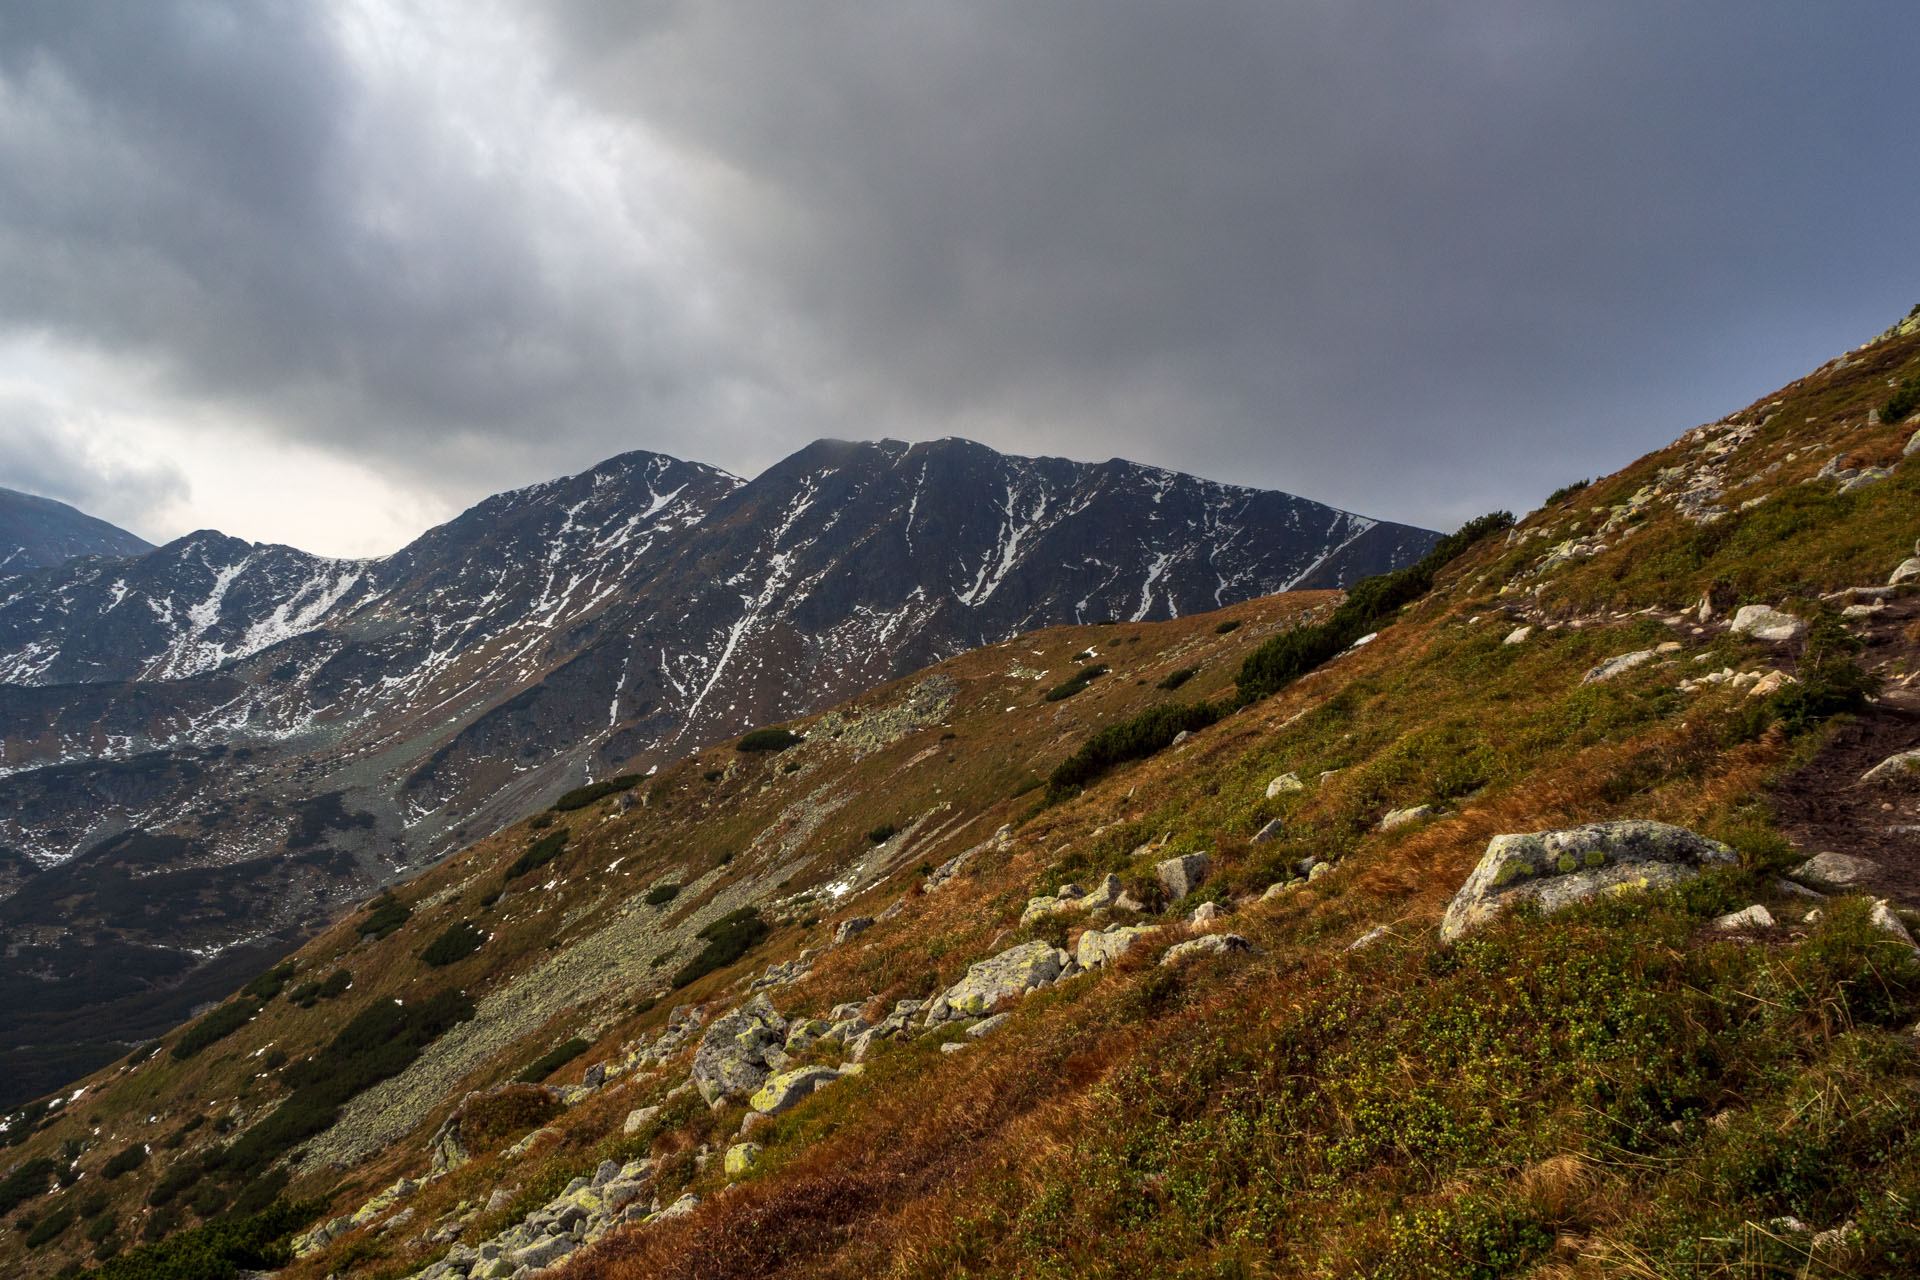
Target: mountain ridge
x: 235, y: 698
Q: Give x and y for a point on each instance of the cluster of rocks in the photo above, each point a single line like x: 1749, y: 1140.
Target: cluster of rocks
x: 1756, y: 684
x: 1071, y: 898
x: 582, y: 1214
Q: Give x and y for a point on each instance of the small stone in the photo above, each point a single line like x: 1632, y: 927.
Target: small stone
x: 1181, y: 876
x: 1368, y: 938
x: 1518, y: 635
x: 1319, y: 869
x: 1283, y: 784
x: 1882, y: 918
x: 1205, y: 914
x: 1798, y: 890
x: 1278, y: 888
x: 1616, y: 666
x: 1764, y: 622
x: 953, y: 1046
x: 753, y: 1122
x: 741, y: 1157
x: 1272, y: 831
x: 1754, y: 917
x: 1835, y: 872
x: 638, y: 1119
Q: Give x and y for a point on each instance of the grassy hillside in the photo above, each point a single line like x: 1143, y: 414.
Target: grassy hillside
x: 1617, y: 1089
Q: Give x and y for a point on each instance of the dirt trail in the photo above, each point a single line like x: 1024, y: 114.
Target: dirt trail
x: 1824, y: 807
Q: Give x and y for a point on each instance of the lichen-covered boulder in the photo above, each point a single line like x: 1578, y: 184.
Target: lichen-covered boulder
x: 1901, y: 767
x: 1396, y: 818
x: 740, y: 1050
x: 1014, y: 972
x: 1098, y: 947
x: 1181, y: 876
x: 1283, y: 784
x: 741, y: 1157
x: 1559, y: 868
x: 785, y: 1091
x: 1764, y: 622
x: 1212, y: 944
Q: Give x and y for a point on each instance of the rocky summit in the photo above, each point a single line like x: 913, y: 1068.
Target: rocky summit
x: 1541, y: 905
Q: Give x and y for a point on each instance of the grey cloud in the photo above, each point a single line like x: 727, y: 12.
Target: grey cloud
x: 47, y: 449
x: 1419, y: 260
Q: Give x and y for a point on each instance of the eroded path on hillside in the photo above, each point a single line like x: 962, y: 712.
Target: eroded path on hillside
x: 1824, y: 807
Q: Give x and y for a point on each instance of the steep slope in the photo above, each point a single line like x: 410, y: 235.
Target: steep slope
x: 301, y: 729
x: 39, y: 533
x: 1650, y: 1083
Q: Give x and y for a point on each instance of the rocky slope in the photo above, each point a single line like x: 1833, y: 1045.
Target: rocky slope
x: 255, y: 734
x: 39, y: 533
x: 1500, y: 935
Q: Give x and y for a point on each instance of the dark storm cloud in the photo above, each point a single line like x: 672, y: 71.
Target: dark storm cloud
x: 1419, y: 260
x: 1422, y: 259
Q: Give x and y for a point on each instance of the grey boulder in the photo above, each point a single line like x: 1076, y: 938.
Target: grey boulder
x: 740, y: 1050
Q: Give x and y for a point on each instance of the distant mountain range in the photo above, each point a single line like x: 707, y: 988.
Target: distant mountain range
x: 253, y: 733
x: 38, y: 533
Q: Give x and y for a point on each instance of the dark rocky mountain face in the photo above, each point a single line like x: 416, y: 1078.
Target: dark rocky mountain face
x: 38, y: 533
x: 252, y: 734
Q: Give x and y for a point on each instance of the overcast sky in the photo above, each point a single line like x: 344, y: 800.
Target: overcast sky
x: 328, y: 273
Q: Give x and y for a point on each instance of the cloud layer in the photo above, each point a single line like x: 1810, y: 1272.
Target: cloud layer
x: 1415, y: 260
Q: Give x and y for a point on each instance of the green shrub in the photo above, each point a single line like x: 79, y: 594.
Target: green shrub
x: 271, y: 983
x: 49, y: 1228
x: 581, y: 797
x: 1230, y: 625
x: 218, y: 1250
x: 144, y: 1052
x: 882, y: 833
x: 727, y: 939
x: 768, y: 740
x: 552, y: 1060
x: 1134, y: 739
x: 308, y: 994
x: 1175, y: 679
x: 216, y: 1026
x: 661, y: 894
x: 457, y: 943
x: 1904, y: 402
x: 179, y: 1178
x: 95, y: 1205
x: 537, y: 855
x: 26, y: 1182
x: 540, y: 821
x: 1077, y: 682
x: 385, y: 914
x: 1565, y: 491
x: 126, y: 1160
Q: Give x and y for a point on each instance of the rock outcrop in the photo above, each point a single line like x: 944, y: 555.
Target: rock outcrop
x: 1556, y: 869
